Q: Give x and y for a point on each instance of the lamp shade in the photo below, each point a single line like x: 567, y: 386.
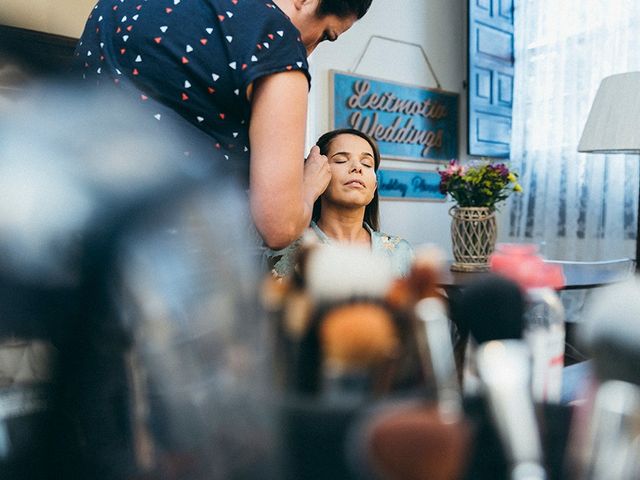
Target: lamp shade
x: 613, y: 125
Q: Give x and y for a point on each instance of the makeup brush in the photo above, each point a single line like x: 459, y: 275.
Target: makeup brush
x: 358, y: 342
x: 505, y: 370
x: 422, y: 440
x: 605, y: 436
x: 411, y: 441
x: 436, y: 353
x: 353, y: 339
x: 421, y: 281
x: 491, y: 308
x: 357, y: 335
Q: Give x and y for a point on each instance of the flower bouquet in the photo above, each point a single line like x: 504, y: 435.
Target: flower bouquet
x: 478, y: 186
x: 476, y: 189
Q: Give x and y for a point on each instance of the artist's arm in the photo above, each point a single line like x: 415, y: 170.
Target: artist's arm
x: 282, y: 188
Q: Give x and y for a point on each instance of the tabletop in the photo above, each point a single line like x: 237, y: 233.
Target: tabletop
x: 578, y: 275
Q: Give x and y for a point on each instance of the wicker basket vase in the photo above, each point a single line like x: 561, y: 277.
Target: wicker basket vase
x: 473, y: 237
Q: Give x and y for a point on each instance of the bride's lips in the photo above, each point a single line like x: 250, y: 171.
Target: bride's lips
x: 354, y: 182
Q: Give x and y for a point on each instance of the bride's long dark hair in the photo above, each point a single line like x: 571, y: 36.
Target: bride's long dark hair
x: 372, y: 210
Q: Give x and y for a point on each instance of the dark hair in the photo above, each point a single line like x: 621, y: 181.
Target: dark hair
x: 371, y: 211
x: 344, y: 8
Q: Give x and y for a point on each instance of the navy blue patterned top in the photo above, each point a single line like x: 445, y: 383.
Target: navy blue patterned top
x: 196, y: 57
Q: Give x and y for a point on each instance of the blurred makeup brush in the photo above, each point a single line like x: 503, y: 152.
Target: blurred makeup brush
x: 605, y: 436
x: 357, y: 335
x: 422, y: 441
x: 491, y: 308
x: 436, y: 352
x: 352, y: 341
x: 421, y: 281
x: 505, y: 371
x: 359, y: 342
x: 411, y: 442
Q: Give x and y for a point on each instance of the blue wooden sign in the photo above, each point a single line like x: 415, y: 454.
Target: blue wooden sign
x: 409, y: 123
x: 409, y: 185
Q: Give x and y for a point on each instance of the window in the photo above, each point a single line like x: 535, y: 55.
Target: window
x: 582, y: 206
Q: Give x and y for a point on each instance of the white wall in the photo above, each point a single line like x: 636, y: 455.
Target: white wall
x: 439, y: 26
x: 62, y: 17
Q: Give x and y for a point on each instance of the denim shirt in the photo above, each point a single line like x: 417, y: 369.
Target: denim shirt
x: 397, y: 250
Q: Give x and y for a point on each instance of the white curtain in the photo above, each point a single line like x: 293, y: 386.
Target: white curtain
x: 578, y: 206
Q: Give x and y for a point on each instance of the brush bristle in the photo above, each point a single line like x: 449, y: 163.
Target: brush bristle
x: 358, y: 335
x: 414, y: 444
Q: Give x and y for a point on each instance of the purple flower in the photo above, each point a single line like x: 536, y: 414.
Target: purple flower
x: 477, y: 185
x: 501, y: 168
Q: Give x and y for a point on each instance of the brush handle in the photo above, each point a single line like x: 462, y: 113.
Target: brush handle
x: 505, y: 371
x: 437, y: 356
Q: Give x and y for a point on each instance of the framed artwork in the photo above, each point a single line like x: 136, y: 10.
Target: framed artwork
x: 397, y: 184
x: 408, y: 122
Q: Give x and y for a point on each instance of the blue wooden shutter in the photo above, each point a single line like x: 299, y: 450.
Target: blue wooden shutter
x: 490, y: 92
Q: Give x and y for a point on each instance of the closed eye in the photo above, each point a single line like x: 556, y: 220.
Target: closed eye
x: 367, y: 160
x: 340, y: 157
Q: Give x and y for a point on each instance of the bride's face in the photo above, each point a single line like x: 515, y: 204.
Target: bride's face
x: 353, y: 174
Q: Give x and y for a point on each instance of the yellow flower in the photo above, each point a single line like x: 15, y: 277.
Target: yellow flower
x: 512, y: 178
x: 517, y: 188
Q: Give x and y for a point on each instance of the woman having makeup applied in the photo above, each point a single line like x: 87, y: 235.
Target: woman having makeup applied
x: 348, y: 210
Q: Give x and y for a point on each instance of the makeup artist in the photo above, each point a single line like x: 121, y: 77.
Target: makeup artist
x: 235, y: 69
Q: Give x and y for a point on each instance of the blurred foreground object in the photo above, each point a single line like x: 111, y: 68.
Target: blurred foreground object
x: 505, y: 370
x: 353, y: 336
x: 413, y: 441
x: 544, y: 316
x: 606, y: 433
x: 123, y: 254
x: 28, y: 56
x: 417, y: 426
x: 426, y: 439
x: 490, y: 308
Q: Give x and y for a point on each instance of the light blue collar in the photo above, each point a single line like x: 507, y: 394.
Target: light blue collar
x: 325, y: 239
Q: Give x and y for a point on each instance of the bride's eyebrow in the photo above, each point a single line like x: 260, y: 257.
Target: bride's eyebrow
x: 340, y: 153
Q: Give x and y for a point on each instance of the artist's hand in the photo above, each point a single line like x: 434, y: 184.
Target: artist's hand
x: 317, y: 175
